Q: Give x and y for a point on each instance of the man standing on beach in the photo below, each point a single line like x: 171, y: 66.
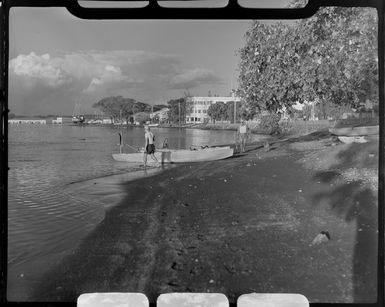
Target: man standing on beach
x: 149, y: 146
x: 243, y: 134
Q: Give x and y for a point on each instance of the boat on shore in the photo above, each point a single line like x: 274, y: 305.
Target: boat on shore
x: 179, y: 155
x: 355, y: 131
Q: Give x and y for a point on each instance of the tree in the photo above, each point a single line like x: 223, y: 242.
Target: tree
x: 230, y: 111
x: 121, y: 108
x: 142, y: 117
x: 217, y: 111
x: 159, y: 107
x: 177, y: 110
x: 330, y: 58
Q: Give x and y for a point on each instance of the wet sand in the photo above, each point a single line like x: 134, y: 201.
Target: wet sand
x: 235, y: 226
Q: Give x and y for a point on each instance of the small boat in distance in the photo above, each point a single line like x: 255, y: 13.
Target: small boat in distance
x: 77, y: 118
x: 166, y: 155
x: 153, y: 125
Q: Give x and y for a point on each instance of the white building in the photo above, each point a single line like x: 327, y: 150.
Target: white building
x: 107, y: 121
x: 27, y: 121
x: 58, y: 120
x: 199, y: 106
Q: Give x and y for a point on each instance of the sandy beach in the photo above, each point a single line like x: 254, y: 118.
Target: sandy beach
x: 240, y: 225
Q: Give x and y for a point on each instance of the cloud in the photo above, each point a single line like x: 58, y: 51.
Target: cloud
x: 193, y: 78
x: 55, y: 81
x: 41, y: 68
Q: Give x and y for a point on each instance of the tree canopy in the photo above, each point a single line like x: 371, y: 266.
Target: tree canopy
x: 119, y: 107
x: 218, y: 111
x: 173, y: 110
x: 330, y: 58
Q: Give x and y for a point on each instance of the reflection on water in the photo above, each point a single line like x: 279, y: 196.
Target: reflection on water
x: 46, y: 218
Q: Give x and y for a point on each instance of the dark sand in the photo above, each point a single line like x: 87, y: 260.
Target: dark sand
x: 237, y: 226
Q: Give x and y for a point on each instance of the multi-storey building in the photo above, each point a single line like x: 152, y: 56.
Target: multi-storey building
x: 197, y: 107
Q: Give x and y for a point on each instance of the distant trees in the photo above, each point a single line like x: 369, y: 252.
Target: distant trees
x: 330, y: 58
x: 120, y: 108
x: 217, y: 111
x: 177, y: 110
x: 142, y: 117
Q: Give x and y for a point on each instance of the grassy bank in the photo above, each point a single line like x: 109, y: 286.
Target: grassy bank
x: 297, y: 127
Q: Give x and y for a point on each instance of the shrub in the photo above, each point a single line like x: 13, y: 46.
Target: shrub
x: 270, y: 124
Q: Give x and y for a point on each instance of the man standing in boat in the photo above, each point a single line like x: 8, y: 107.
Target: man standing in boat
x: 243, y: 134
x: 149, y: 146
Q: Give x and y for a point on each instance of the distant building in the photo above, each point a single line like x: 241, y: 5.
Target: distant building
x: 27, y: 121
x: 58, y: 120
x: 107, y: 121
x: 200, y: 105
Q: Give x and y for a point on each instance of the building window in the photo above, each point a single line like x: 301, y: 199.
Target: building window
x: 199, y: 111
x: 204, y: 111
x: 192, y: 119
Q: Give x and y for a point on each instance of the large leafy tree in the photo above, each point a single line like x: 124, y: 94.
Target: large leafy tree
x: 330, y: 58
x: 119, y: 107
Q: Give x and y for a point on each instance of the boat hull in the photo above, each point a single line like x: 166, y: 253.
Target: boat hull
x: 355, y: 131
x: 178, y: 156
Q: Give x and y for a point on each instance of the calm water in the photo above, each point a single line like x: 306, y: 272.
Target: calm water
x: 46, y: 219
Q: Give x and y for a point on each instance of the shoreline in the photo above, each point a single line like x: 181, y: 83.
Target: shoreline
x: 198, y: 227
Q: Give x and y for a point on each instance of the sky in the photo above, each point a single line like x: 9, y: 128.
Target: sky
x: 57, y: 60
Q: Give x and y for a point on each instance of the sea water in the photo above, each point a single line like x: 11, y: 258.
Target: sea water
x: 46, y: 218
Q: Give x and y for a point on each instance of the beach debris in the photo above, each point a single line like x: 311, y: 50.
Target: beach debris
x: 230, y: 269
x: 248, y: 164
x: 371, y: 155
x: 177, y: 266
x: 322, y: 237
x: 211, y: 281
x: 21, y: 275
x: 185, y: 205
x: 173, y: 284
x: 300, y: 190
x: 225, y: 180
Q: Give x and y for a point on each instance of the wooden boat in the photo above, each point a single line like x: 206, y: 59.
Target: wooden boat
x: 355, y: 131
x: 178, y: 155
x: 352, y: 139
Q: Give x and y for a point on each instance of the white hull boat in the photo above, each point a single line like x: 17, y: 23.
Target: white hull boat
x: 178, y: 155
x: 355, y: 131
